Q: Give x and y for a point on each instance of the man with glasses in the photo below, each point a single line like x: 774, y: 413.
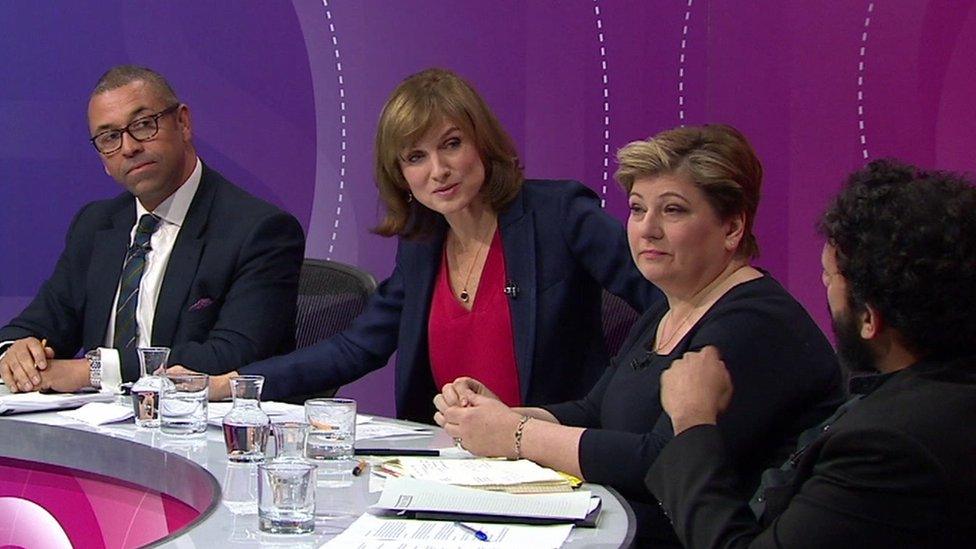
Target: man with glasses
x: 184, y: 259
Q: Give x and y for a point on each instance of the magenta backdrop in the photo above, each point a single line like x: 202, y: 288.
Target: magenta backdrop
x: 286, y: 96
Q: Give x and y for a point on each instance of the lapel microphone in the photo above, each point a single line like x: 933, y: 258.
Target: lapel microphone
x: 640, y: 362
x: 511, y: 289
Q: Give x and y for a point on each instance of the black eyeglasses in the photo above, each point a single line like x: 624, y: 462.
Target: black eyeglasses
x: 140, y: 129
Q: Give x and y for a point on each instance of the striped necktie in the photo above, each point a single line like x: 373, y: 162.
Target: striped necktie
x: 126, y: 329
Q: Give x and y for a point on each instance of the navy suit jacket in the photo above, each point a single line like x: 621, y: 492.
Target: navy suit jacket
x: 560, y: 249
x: 228, y: 294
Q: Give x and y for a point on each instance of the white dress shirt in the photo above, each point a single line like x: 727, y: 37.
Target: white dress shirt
x: 171, y: 212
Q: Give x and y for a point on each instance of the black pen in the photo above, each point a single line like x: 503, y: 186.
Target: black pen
x: 396, y: 452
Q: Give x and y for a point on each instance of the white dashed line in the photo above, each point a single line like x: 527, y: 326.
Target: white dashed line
x: 606, y: 105
x: 681, y: 66
x: 860, y: 82
x: 342, y: 127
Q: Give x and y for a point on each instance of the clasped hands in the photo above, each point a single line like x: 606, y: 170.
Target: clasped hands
x: 474, y: 416
x: 28, y: 365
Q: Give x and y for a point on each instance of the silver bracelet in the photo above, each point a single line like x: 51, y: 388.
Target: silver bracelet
x: 518, y: 436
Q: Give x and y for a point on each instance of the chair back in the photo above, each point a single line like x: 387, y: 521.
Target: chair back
x: 618, y: 318
x: 330, y: 296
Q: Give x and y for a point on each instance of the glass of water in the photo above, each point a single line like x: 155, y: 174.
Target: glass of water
x: 183, y: 405
x: 146, y: 390
x: 286, y: 497
x: 332, y: 432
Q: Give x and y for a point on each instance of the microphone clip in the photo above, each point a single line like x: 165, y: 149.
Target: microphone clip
x: 511, y: 289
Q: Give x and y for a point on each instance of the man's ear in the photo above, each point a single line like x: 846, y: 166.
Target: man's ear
x: 871, y: 322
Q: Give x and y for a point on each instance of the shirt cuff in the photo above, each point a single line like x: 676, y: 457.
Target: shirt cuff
x: 111, y: 370
x: 4, y: 345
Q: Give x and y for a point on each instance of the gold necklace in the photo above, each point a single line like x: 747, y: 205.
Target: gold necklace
x: 464, y: 296
x: 708, y: 291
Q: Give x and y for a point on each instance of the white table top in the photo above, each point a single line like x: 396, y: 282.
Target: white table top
x: 233, y: 520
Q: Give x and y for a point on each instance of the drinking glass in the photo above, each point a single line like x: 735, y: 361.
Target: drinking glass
x: 333, y: 429
x: 183, y: 406
x: 286, y: 497
x: 290, y: 440
x: 146, y: 390
x: 246, y: 425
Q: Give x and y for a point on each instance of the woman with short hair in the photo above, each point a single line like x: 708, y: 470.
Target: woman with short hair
x: 693, y: 194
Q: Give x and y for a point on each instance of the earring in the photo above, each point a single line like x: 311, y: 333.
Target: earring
x: 409, y: 197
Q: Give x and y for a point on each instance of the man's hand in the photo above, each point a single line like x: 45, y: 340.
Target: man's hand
x: 21, y: 365
x: 696, y: 389
x: 219, y: 386
x: 65, y: 376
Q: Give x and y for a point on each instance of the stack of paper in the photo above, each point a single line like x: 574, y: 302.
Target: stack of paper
x: 410, y: 498
x: 516, y: 477
x: 42, y: 402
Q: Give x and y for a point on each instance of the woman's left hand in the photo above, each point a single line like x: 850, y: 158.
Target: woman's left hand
x: 485, y: 427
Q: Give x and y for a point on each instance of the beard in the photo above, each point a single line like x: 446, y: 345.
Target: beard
x: 853, y: 351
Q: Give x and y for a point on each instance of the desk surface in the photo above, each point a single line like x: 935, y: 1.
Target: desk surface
x: 230, y: 518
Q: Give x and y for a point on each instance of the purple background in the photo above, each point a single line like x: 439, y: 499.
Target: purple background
x: 285, y: 97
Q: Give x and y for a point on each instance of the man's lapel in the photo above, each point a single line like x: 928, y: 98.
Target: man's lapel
x: 108, y: 254
x: 183, y: 262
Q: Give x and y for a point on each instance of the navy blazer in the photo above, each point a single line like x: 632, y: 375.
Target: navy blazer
x: 228, y: 294
x: 560, y: 249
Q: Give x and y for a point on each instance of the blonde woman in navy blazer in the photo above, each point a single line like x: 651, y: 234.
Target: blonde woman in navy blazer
x: 560, y: 251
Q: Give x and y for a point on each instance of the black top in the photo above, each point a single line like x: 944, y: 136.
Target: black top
x: 785, y: 375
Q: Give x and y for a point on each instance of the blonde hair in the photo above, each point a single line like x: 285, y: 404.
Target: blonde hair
x: 415, y: 106
x: 716, y: 158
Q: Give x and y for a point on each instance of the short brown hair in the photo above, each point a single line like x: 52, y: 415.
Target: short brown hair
x: 123, y: 75
x: 417, y: 104
x: 717, y: 158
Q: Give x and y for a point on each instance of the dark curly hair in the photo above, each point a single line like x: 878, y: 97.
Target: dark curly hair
x: 906, y: 243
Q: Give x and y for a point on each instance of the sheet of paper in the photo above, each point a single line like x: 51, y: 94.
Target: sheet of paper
x: 382, y: 429
x: 100, y: 413
x: 407, y: 494
x: 369, y: 531
x: 277, y: 411
x: 38, y: 402
x: 477, y: 472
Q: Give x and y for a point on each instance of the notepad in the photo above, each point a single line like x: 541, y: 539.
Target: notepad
x: 432, y: 500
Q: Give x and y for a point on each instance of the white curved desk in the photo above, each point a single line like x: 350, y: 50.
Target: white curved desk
x: 197, y: 472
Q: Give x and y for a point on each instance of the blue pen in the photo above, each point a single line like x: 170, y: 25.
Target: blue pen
x: 472, y: 530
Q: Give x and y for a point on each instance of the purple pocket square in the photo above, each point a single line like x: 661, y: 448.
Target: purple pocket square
x: 201, y: 304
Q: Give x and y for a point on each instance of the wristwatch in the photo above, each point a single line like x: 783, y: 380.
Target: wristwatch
x: 94, y: 368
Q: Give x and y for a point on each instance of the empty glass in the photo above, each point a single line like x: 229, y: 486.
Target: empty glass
x: 286, y: 497
x: 290, y: 440
x: 246, y: 425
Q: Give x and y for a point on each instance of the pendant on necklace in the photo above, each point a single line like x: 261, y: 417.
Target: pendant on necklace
x: 464, y: 296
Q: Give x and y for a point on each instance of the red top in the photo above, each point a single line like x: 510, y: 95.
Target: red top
x: 476, y: 343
